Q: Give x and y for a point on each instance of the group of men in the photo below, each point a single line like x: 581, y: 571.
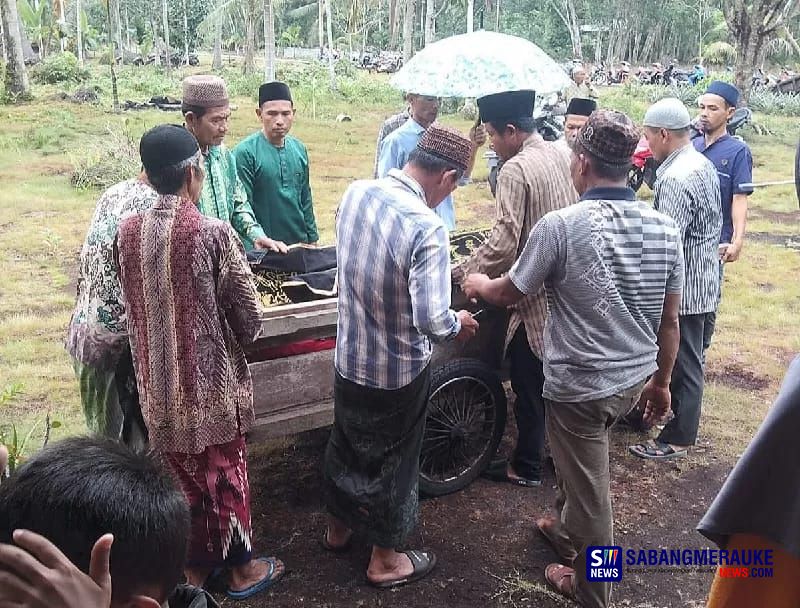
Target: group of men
x: 166, y: 302
x: 612, y: 306
x: 613, y: 303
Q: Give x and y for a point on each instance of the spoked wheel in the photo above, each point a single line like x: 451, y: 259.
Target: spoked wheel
x: 465, y: 422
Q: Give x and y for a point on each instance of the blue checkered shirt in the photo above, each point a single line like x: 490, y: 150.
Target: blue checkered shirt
x: 394, y: 282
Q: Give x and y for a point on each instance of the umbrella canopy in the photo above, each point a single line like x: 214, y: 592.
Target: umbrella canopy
x: 478, y: 64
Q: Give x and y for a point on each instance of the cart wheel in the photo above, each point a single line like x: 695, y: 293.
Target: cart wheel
x: 466, y: 420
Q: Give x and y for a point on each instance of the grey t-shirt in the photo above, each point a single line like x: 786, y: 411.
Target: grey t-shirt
x: 606, y: 264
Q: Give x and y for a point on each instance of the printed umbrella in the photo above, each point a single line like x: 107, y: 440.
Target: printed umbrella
x: 478, y: 64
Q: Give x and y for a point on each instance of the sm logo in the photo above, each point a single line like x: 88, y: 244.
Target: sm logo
x: 604, y: 564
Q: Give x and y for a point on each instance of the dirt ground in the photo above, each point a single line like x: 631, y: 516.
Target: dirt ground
x: 489, y: 553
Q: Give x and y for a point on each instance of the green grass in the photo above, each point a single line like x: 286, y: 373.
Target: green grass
x: 43, y: 220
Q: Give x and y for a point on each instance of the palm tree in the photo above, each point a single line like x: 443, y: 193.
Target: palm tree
x: 16, y: 81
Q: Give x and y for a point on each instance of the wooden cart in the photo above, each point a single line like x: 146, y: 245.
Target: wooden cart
x: 466, y: 409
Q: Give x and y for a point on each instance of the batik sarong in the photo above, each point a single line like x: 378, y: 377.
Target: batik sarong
x: 371, y: 465
x: 217, y: 489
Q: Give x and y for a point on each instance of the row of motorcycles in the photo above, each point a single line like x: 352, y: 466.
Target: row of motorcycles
x: 550, y: 125
x: 656, y: 74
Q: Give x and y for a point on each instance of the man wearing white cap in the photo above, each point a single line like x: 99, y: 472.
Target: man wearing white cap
x: 687, y: 190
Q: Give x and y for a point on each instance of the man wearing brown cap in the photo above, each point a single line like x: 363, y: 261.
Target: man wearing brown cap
x: 612, y: 268
x: 534, y: 181
x: 206, y: 111
x: 394, y: 300
x: 273, y: 167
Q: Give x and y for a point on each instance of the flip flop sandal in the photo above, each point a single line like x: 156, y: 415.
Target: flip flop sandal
x: 423, y: 561
x: 498, y: 471
x: 262, y: 585
x: 656, y: 451
x: 556, y: 575
x: 332, y: 548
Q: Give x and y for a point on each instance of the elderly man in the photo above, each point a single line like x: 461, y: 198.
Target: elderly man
x: 394, y: 300
x: 734, y: 164
x: 398, y: 146
x: 534, y: 181
x: 582, y: 86
x: 687, y: 190
x: 206, y: 111
x: 389, y: 126
x: 273, y: 167
x: 191, y: 305
x: 611, y: 335
x: 97, y: 337
x: 578, y: 112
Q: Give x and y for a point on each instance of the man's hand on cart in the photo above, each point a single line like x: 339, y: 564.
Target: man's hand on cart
x: 469, y: 326
x: 264, y: 242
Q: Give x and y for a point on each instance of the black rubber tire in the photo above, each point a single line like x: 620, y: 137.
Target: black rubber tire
x: 797, y: 172
x: 466, y: 409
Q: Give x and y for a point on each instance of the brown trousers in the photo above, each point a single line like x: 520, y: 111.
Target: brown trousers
x: 578, y: 435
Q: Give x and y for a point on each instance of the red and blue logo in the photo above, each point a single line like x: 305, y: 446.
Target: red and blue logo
x: 604, y: 564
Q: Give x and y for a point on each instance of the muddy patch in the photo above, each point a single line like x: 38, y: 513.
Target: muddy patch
x: 735, y: 376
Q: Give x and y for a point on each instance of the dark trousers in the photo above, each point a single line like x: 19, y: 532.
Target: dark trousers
x: 686, y: 385
x: 527, y: 380
x: 711, y: 317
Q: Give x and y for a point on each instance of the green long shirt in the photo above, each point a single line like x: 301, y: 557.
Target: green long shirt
x: 276, y: 182
x: 225, y: 198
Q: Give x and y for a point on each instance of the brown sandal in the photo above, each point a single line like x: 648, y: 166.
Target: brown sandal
x: 561, y: 578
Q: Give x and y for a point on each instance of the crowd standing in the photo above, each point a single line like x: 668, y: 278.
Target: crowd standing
x: 613, y: 304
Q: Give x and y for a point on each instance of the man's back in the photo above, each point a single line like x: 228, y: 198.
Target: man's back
x: 190, y: 305
x: 393, y: 280
x: 687, y: 190
x: 608, y: 261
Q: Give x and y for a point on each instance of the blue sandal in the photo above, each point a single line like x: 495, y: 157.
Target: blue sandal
x: 262, y: 585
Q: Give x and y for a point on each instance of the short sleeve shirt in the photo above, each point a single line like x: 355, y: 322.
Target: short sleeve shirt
x: 606, y: 264
x: 734, y: 164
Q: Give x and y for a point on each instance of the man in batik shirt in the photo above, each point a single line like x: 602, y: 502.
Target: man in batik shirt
x: 97, y: 338
x: 191, y: 307
x: 206, y: 111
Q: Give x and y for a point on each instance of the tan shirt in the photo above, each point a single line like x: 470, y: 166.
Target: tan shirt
x: 531, y: 184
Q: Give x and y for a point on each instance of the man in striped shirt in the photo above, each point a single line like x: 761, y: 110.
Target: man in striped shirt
x: 394, y: 300
x: 535, y: 180
x: 613, y: 271
x: 687, y: 190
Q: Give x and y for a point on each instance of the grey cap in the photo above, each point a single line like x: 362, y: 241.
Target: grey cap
x: 669, y: 113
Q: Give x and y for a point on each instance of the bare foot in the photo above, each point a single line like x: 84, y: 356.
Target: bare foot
x: 388, y: 565
x: 253, y: 572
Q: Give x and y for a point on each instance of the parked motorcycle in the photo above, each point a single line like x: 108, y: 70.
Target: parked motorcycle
x: 643, y: 169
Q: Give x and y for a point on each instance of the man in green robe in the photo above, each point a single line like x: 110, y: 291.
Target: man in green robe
x: 273, y: 167
x: 206, y: 111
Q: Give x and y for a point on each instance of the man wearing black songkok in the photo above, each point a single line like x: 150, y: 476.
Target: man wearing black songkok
x: 273, y: 167
x: 578, y: 112
x: 534, y: 179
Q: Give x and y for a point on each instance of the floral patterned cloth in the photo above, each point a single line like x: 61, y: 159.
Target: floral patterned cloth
x: 479, y: 64
x: 97, y: 334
